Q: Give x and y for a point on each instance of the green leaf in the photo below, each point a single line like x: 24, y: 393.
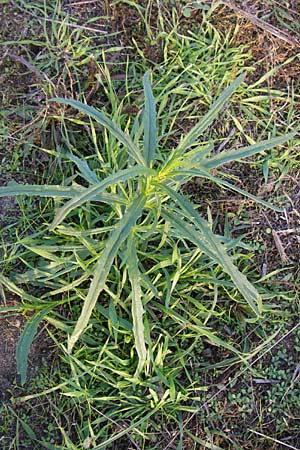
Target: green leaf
x: 149, y: 120
x: 12, y: 287
x: 133, y: 425
x: 221, y: 182
x: 200, y: 330
x: 88, y: 174
x: 243, y: 152
x: 120, y: 233
x: 105, y: 312
x: 209, y: 244
x: 14, y: 189
x: 25, y: 341
x: 11, y: 309
x: 193, y: 135
x: 90, y: 193
x: 137, y: 305
x: 105, y: 121
x: 187, y: 12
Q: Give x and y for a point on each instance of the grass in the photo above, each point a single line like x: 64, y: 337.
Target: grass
x: 144, y: 205
x: 200, y: 362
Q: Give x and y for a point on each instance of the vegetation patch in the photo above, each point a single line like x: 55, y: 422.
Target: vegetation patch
x: 153, y: 273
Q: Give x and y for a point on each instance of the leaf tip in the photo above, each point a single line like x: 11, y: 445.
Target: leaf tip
x: 71, y: 342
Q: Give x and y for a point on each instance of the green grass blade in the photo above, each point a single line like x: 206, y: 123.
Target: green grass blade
x: 210, y: 244
x: 25, y: 341
x: 11, y: 309
x: 137, y: 305
x: 88, y: 174
x: 244, y: 152
x: 105, y: 121
x: 200, y: 330
x: 12, y: 287
x: 149, y: 120
x: 132, y: 426
x: 90, y: 193
x: 201, y: 442
x: 207, y: 120
x: 14, y: 189
x: 221, y: 182
x: 104, y: 264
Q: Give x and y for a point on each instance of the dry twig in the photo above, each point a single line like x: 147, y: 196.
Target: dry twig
x: 280, y: 34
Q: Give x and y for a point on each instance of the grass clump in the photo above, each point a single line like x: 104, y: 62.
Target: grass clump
x: 145, y: 202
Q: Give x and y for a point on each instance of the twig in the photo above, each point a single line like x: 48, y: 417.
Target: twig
x: 22, y: 60
x: 289, y: 231
x: 3, y: 57
x: 262, y: 24
x: 278, y: 244
x: 62, y: 22
x: 262, y: 381
x: 83, y: 2
x: 283, y: 256
x: 273, y: 440
x: 225, y: 142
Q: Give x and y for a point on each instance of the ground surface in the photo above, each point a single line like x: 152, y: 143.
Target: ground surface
x: 253, y: 397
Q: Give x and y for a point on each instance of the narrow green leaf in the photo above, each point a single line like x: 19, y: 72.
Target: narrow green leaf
x: 149, y: 120
x: 137, y: 305
x: 12, y: 287
x: 88, y: 174
x: 113, y: 318
x: 193, y: 135
x: 104, y: 264
x: 243, y: 152
x: 217, y: 254
x: 90, y: 193
x: 105, y: 312
x: 221, y: 182
x: 200, y: 330
x: 27, y: 428
x: 25, y: 341
x: 14, y: 189
x: 45, y: 254
x: 101, y: 118
x: 209, y: 244
x: 68, y: 286
x: 132, y: 426
x: 201, y: 442
x: 11, y: 309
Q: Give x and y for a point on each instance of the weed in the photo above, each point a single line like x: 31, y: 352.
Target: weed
x: 169, y: 345
x: 145, y: 202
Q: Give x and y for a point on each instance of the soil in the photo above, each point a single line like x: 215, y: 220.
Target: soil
x: 10, y: 330
x: 11, y: 326
x: 18, y: 90
x: 268, y: 48
x: 277, y: 233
